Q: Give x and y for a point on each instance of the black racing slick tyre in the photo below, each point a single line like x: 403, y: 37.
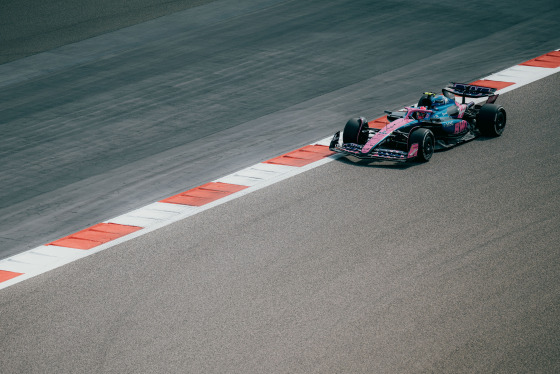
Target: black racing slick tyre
x: 355, y: 131
x: 491, y: 120
x: 425, y: 141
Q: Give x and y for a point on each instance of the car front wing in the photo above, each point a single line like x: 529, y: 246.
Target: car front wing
x: 353, y: 149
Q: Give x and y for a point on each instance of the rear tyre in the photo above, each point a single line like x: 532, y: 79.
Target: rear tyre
x: 426, y: 141
x: 355, y: 131
x: 491, y: 120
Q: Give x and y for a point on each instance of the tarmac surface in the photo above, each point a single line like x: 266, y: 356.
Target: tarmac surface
x: 449, y: 266
x: 28, y: 27
x: 95, y: 129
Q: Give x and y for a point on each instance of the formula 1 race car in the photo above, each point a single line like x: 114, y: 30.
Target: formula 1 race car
x: 436, y: 122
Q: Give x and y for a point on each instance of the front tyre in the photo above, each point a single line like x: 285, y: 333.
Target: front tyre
x: 425, y: 141
x: 356, y: 131
x: 491, y: 120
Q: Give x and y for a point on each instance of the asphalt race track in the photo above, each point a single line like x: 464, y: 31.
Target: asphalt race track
x: 28, y: 27
x: 95, y: 129
x: 449, y: 266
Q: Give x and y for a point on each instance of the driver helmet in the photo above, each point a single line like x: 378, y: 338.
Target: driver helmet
x: 426, y: 100
x: 421, y: 115
x: 439, y: 100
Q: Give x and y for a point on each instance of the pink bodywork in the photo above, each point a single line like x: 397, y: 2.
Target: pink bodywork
x: 392, y: 126
x: 413, y: 151
x: 462, y: 109
x: 384, y: 133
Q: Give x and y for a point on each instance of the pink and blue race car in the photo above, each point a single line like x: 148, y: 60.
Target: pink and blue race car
x: 436, y: 122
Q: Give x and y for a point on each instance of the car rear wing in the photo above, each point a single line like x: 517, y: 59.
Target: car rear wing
x: 470, y: 90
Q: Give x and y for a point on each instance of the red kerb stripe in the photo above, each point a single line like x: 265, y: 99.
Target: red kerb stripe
x: 303, y: 156
x: 95, y: 235
x: 548, y: 60
x: 492, y: 84
x: 378, y: 123
x: 7, y: 275
x: 204, y: 194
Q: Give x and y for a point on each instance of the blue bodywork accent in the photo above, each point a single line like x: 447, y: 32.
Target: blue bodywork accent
x: 449, y: 121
